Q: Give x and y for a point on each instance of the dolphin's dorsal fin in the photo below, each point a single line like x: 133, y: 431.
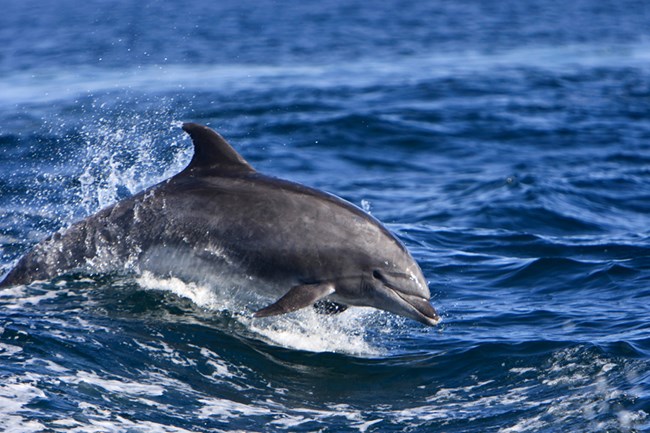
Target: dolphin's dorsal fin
x: 212, y: 153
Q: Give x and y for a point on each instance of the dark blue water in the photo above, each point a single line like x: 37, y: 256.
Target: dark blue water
x: 506, y: 143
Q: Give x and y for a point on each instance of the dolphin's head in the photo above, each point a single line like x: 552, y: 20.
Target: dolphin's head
x: 405, y: 294
x: 382, y: 275
x: 401, y: 291
x: 394, y: 284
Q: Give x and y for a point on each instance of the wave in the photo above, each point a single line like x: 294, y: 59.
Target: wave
x: 31, y: 86
x: 302, y: 330
x: 120, y: 364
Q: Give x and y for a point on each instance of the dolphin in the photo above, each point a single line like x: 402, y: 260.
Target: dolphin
x: 220, y: 219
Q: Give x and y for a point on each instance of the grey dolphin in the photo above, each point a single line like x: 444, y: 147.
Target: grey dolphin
x: 221, y: 218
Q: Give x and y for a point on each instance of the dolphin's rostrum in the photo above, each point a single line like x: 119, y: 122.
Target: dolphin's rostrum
x: 220, y: 218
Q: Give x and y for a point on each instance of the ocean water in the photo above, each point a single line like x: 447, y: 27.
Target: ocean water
x: 506, y: 143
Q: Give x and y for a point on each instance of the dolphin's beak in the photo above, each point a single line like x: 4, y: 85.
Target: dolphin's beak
x: 409, y: 305
x: 420, y: 309
x: 406, y: 295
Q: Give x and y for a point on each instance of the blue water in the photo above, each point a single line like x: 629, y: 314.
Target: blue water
x: 506, y: 143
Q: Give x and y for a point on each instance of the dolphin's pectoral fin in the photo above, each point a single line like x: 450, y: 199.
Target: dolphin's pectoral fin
x: 298, y: 297
x: 329, y: 307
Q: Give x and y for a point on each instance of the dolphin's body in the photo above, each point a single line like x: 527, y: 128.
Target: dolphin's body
x: 221, y: 218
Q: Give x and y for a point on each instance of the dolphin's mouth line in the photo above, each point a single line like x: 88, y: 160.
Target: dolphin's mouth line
x: 421, y: 306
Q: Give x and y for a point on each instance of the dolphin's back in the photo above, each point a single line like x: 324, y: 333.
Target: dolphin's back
x: 59, y: 253
x: 269, y: 223
x: 268, y: 227
x: 95, y: 244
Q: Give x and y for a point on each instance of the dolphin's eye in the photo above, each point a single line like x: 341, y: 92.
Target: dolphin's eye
x: 377, y: 275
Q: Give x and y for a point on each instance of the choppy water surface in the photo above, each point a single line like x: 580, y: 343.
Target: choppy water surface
x: 506, y: 143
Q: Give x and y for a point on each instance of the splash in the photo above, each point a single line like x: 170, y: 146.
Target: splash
x: 122, y: 156
x: 309, y: 331
x: 99, y: 151
x: 302, y: 330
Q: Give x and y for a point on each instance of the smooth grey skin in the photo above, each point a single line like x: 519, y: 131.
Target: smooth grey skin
x: 220, y: 219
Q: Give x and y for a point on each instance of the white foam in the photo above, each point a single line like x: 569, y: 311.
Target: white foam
x: 284, y: 418
x: 66, y: 423
x: 629, y: 420
x: 112, y: 423
x: 226, y: 409
x: 221, y: 370
x: 9, y: 350
x: 523, y: 370
x: 365, y: 425
x: 421, y: 413
x: 116, y: 386
x: 583, y: 391
x: 16, y: 298
x: 18, y: 392
x: 302, y: 330
x: 166, y: 351
x: 15, y: 395
x: 49, y: 365
x: 199, y: 294
x: 309, y: 331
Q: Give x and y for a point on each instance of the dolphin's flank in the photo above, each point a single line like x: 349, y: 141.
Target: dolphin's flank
x: 220, y: 219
